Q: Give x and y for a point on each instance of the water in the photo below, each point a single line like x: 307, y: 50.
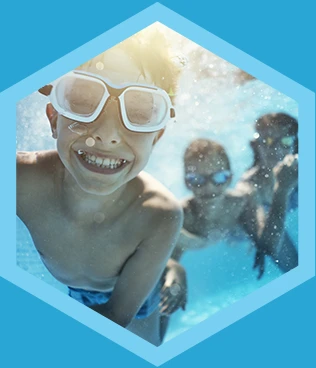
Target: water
x: 211, y: 103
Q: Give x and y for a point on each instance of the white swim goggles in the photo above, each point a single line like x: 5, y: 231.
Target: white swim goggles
x: 81, y: 96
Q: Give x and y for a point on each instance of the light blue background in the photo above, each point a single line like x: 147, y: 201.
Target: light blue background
x: 35, y: 334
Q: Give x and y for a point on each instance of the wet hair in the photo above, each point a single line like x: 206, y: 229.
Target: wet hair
x: 150, y: 50
x: 278, y: 120
x: 200, y: 148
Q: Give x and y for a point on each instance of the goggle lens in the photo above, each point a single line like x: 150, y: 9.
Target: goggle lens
x: 288, y: 141
x: 221, y: 177
x: 144, y: 108
x: 198, y: 180
x: 79, y: 96
x: 195, y: 180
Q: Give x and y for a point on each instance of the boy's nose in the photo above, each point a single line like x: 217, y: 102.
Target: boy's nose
x: 108, y: 126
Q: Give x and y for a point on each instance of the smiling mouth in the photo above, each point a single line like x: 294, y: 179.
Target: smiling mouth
x: 105, y: 165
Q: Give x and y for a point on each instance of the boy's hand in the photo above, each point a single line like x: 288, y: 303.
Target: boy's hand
x: 286, y: 172
x: 174, y: 290
x: 260, y: 263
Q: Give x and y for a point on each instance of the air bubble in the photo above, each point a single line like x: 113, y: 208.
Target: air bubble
x: 99, y: 65
x: 90, y: 142
x: 99, y: 217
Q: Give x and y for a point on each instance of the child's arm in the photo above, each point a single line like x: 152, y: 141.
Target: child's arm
x: 268, y: 232
x: 174, y: 290
x: 143, y: 270
x: 25, y: 180
x: 190, y: 241
x: 34, y: 173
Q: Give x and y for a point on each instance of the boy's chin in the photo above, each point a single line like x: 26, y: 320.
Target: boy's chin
x: 100, y: 190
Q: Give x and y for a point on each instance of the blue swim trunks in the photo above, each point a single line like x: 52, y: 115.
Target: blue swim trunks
x: 90, y: 298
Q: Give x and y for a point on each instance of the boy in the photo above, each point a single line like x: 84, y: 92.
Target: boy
x: 102, y: 226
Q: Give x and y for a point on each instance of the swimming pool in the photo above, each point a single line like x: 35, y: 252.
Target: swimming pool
x: 212, y: 104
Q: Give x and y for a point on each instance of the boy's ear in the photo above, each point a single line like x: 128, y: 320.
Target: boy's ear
x: 159, y: 135
x: 52, y: 117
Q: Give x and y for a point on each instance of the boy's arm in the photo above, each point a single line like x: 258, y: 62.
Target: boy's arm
x: 25, y: 180
x: 266, y: 232
x: 174, y: 289
x: 33, y: 180
x: 252, y: 219
x: 143, y: 270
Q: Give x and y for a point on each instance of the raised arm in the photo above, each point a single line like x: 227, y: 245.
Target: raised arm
x: 143, y: 270
x: 268, y: 232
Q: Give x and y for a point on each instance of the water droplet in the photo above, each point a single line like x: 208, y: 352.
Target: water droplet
x: 99, y: 65
x: 99, y: 217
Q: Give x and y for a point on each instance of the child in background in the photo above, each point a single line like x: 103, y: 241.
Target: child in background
x: 257, y: 206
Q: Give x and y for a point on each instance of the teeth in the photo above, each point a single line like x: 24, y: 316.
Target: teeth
x: 99, y: 161
x: 108, y: 163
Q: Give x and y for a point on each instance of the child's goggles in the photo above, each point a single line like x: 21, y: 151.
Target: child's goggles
x: 286, y: 142
x: 199, y: 180
x: 81, y: 96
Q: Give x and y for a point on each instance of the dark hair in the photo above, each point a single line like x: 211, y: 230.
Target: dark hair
x: 276, y: 119
x: 202, y: 147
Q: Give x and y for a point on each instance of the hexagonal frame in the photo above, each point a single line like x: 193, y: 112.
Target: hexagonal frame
x: 260, y: 297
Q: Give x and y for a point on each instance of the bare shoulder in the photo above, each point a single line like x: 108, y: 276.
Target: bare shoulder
x: 157, y: 195
x: 160, y: 204
x: 237, y: 196
x: 35, y: 169
x: 250, y: 175
x: 40, y: 162
x: 246, y: 185
x: 34, y: 177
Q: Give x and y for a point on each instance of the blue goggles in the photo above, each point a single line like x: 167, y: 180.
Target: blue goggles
x: 286, y: 142
x: 198, y: 180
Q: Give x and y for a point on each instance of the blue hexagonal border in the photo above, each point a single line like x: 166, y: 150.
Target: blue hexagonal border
x: 306, y: 269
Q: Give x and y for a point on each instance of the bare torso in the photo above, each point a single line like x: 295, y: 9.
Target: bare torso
x: 87, y: 256
x: 85, y: 251
x: 208, y: 223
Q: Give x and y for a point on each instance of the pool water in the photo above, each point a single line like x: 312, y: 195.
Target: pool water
x: 211, y: 103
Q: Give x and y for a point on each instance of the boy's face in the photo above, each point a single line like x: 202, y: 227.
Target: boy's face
x: 210, y: 167
x: 106, y: 155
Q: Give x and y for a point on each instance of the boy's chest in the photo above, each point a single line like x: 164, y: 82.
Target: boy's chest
x: 214, y: 222
x: 83, y: 254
